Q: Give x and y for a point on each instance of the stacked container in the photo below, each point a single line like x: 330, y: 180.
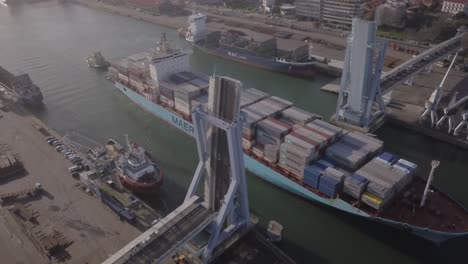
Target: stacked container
x: 271, y: 153
x: 331, y: 182
x: 200, y: 101
x: 312, y: 176
x: 332, y: 135
x: 249, y: 127
x: 251, y: 96
x: 297, y: 152
x: 200, y: 83
x: 294, y: 115
x: 258, y: 150
x: 166, y: 93
x: 327, y: 126
x: 354, y: 149
x: 271, y: 131
x: 355, y: 185
x: 183, y: 96
x: 369, y: 144
x: 182, y: 77
x: 386, y: 180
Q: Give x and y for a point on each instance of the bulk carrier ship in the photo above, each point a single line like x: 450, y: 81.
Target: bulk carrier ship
x: 287, y: 56
x: 297, y: 151
x: 21, y: 87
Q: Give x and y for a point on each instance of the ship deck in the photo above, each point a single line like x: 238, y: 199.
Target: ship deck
x: 440, y: 212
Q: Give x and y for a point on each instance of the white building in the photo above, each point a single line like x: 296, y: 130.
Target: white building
x: 341, y: 12
x: 455, y: 6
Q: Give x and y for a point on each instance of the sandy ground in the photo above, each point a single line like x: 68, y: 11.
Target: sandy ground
x: 95, y: 230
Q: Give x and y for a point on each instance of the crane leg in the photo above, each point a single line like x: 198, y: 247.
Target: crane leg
x: 441, y: 121
x: 433, y: 118
x: 450, y: 124
x: 459, y: 127
x: 425, y: 114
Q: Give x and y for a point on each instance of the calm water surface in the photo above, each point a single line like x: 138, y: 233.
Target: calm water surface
x: 51, y: 41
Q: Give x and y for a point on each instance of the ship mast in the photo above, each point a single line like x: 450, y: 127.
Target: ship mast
x: 127, y: 141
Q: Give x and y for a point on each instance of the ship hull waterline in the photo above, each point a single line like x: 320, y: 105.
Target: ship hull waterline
x: 275, y: 178
x: 301, y: 71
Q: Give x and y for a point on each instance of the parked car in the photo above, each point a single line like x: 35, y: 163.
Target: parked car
x: 74, y: 168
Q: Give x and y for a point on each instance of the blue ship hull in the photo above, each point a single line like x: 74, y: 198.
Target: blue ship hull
x: 275, y: 178
x: 270, y: 64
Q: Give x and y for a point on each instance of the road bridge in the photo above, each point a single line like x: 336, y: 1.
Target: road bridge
x: 161, y: 240
x: 424, y: 60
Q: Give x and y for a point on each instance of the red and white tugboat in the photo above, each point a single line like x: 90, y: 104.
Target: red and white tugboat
x: 137, y: 171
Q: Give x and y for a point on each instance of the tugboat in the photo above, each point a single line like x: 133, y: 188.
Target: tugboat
x: 136, y: 169
x: 96, y: 60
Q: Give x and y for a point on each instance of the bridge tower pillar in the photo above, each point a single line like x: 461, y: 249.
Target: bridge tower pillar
x: 360, y: 100
x: 218, y: 134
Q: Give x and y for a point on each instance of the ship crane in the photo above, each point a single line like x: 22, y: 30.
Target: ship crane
x: 432, y: 104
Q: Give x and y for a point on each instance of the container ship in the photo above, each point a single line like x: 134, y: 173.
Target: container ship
x: 288, y: 56
x: 21, y: 87
x: 296, y: 150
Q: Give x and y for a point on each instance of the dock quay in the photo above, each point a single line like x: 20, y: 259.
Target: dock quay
x: 407, y: 103
x: 61, y: 222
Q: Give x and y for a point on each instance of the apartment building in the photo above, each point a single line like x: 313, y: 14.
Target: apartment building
x: 337, y: 13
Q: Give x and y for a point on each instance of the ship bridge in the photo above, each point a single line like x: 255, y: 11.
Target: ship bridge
x: 162, y: 239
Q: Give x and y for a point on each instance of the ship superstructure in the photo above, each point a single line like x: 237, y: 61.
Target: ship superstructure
x: 21, y: 86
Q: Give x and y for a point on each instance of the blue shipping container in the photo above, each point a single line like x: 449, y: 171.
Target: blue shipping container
x: 312, y: 182
x: 326, y: 163
x: 321, y: 166
x: 328, y: 191
x: 359, y: 178
x: 312, y: 176
x: 387, y: 157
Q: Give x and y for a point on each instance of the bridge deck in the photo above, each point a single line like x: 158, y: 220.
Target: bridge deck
x: 415, y: 65
x: 166, y: 236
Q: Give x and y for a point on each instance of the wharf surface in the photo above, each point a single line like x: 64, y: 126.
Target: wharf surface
x: 94, y: 230
x: 408, y: 101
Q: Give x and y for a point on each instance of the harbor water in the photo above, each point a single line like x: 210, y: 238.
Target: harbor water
x: 51, y: 41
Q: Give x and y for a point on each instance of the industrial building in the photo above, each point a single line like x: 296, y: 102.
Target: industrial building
x: 337, y: 13
x: 455, y: 6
